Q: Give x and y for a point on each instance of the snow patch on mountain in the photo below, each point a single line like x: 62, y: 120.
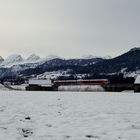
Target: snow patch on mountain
x: 52, y: 75
x: 17, y: 61
x: 12, y: 60
x: 33, y: 58
x: 89, y: 57
x: 132, y: 74
x: 51, y: 57
x: 107, y: 57
x: 94, y: 57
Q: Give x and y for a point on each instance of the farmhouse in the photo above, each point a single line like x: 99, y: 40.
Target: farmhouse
x: 39, y: 85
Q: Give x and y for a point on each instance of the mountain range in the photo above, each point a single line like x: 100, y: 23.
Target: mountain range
x: 15, y: 66
x: 17, y: 59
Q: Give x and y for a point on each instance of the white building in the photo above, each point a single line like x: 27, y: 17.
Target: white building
x: 40, y: 85
x: 40, y: 82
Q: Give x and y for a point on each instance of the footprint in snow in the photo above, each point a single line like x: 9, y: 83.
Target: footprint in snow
x: 27, y: 118
x: 91, y: 136
x: 66, y: 137
x: 25, y: 132
x: 2, y: 108
x: 4, y: 128
x: 48, y: 125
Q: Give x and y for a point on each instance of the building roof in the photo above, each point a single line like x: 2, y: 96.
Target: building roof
x: 40, y: 82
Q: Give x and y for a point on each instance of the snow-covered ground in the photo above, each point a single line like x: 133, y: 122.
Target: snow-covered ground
x: 69, y: 116
x: 19, y: 87
x: 2, y: 87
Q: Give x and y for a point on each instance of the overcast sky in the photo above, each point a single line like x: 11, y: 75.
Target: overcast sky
x: 69, y: 28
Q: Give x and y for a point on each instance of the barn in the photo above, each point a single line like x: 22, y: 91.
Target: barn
x: 39, y: 85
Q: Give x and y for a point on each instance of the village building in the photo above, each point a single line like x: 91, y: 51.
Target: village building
x: 39, y: 85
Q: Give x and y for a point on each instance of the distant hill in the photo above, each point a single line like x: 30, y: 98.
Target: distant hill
x: 128, y: 62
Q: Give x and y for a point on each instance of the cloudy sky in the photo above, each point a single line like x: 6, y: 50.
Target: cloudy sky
x: 69, y: 28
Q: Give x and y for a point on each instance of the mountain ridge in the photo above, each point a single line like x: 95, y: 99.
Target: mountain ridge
x: 17, y: 59
x: 126, y: 63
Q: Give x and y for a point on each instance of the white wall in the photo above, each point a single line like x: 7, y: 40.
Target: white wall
x: 81, y: 88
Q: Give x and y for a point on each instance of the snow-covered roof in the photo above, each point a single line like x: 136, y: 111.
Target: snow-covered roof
x: 137, y: 81
x: 40, y: 82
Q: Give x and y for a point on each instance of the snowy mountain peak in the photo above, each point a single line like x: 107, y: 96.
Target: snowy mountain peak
x: 89, y: 56
x: 50, y: 57
x: 107, y: 57
x: 12, y: 59
x: 135, y: 49
x: 92, y: 57
x: 1, y: 59
x: 33, y: 58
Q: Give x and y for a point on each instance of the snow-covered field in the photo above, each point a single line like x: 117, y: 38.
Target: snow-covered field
x: 69, y: 116
x: 2, y: 88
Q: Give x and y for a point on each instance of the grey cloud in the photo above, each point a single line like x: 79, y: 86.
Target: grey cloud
x: 69, y: 28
